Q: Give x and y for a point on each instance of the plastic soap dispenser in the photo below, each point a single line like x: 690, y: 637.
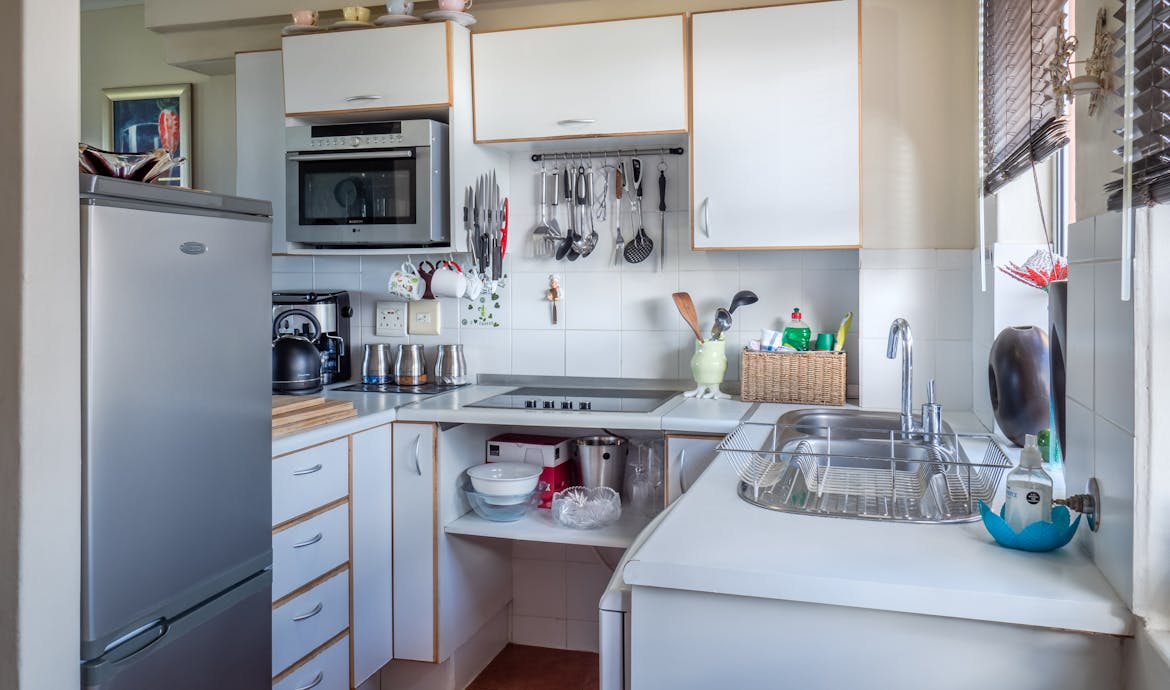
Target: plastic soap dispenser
x: 1029, y: 490
x: 797, y: 334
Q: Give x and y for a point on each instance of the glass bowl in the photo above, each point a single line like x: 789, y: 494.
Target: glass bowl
x: 582, y: 508
x: 502, y: 508
x: 139, y: 167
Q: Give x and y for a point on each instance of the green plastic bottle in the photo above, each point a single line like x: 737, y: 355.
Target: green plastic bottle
x: 797, y: 335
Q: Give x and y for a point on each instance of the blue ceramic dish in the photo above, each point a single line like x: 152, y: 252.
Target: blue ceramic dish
x: 1036, y: 537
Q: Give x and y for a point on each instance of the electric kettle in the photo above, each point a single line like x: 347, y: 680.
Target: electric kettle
x: 296, y: 362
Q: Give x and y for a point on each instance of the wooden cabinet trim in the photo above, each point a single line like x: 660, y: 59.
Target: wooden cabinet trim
x: 312, y: 655
x: 305, y: 517
x: 585, y: 21
x: 322, y: 443
x: 309, y: 585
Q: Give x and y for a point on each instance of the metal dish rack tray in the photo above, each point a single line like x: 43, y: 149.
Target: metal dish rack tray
x: 873, y: 474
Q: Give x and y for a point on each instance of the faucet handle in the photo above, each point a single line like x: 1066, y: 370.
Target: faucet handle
x: 930, y: 392
x: 931, y: 416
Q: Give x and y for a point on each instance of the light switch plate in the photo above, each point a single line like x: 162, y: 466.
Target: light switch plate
x: 390, y: 319
x: 423, y: 317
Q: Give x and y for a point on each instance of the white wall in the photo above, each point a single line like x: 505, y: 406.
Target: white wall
x: 116, y: 51
x: 40, y: 301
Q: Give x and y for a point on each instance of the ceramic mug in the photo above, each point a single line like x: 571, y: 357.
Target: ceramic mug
x: 449, y: 280
x: 356, y: 14
x: 406, y: 283
x: 475, y: 284
x: 455, y: 5
x: 399, y: 7
x: 305, y: 17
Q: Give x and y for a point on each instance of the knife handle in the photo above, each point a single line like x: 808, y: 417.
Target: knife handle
x: 568, y: 184
x: 556, y: 189
x: 637, y: 165
x: 662, y: 191
x: 619, y: 181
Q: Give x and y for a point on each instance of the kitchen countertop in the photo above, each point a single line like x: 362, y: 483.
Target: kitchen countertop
x: 715, y: 542
x: 373, y: 409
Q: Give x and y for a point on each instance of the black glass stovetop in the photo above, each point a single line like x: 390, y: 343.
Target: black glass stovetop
x: 578, y: 399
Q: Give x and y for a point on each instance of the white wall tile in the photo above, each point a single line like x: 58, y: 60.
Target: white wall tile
x: 1082, y: 240
x: 1108, y: 237
x: 953, y: 304
x: 952, y: 373
x: 538, y: 353
x: 646, y: 302
x: 288, y: 282
x: 1082, y: 332
x: 953, y: 259
x: 880, y: 378
x: 709, y: 290
x: 487, y: 351
x: 292, y: 264
x: 593, y: 353
x: 529, y: 302
x: 1080, y: 456
x: 538, y: 632
x: 575, y: 553
x: 1113, y: 355
x: 538, y: 550
x: 890, y: 294
x: 584, y: 584
x: 830, y: 259
x: 650, y: 354
x: 538, y: 588
x: 779, y: 292
x: 1113, y: 544
x: 779, y: 260
x: 337, y: 264
x: 828, y: 296
x: 582, y: 636
x: 592, y: 301
x: 898, y: 258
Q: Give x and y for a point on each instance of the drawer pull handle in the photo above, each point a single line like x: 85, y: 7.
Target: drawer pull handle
x: 310, y: 613
x: 417, y: 465
x: 313, y: 683
x: 706, y: 216
x: 364, y: 97
x: 307, y: 470
x: 576, y: 121
x: 309, y: 542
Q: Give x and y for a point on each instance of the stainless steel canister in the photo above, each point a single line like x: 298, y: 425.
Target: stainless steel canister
x: 601, y: 461
x: 410, y: 366
x: 450, y: 366
x: 376, y: 364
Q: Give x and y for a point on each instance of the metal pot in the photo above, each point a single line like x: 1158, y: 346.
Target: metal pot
x: 296, y: 362
x: 601, y: 461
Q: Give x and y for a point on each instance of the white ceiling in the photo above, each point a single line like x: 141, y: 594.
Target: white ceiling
x: 87, y: 5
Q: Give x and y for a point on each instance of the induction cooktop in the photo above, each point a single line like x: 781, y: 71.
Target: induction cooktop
x: 578, y: 399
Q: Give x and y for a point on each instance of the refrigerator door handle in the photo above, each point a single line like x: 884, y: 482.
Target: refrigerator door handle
x: 310, y: 613
x: 136, y: 642
x: 313, y: 683
x: 307, y: 470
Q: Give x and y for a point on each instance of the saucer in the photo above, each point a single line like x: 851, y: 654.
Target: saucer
x: 343, y: 24
x: 461, y: 18
x: 396, y: 19
x: 295, y: 29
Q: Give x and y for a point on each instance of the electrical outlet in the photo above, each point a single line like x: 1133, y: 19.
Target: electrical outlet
x: 423, y: 317
x: 390, y: 319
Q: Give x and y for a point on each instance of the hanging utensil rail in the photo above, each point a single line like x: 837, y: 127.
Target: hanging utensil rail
x: 575, y: 155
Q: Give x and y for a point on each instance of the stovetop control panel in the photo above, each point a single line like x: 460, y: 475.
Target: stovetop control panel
x: 578, y: 400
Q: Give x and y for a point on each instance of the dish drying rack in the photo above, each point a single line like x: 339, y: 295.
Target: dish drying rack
x: 865, y: 474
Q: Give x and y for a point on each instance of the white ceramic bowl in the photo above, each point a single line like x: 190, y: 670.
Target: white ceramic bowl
x: 504, y: 478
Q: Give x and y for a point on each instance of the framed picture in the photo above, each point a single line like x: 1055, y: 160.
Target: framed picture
x: 145, y: 118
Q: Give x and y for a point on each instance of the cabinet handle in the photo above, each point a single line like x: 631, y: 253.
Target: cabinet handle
x: 313, y: 683
x: 576, y: 121
x: 364, y: 97
x: 307, y: 470
x: 417, y: 466
x: 310, y: 613
x: 682, y: 470
x: 309, y: 542
x: 706, y: 218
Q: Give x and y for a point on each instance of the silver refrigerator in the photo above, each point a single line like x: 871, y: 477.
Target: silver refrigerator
x: 176, y: 504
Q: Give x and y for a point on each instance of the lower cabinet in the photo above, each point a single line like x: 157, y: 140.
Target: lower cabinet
x: 332, y: 562
x: 687, y: 457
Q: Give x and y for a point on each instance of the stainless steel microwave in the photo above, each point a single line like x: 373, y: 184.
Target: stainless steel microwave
x: 380, y: 184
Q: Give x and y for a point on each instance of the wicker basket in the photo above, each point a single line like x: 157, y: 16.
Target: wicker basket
x: 813, y: 378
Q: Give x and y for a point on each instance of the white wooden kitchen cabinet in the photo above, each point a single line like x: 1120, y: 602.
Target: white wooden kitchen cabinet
x: 446, y: 588
x: 368, y: 70
x: 775, y: 134
x: 372, y: 562
x: 687, y: 456
x: 581, y: 80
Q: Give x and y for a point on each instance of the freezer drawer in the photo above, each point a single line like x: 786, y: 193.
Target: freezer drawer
x: 225, y: 643
x: 305, y: 623
x: 309, y: 479
x: 328, y: 670
x: 309, y: 549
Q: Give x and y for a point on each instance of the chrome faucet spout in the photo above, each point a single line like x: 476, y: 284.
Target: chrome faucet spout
x: 900, y: 333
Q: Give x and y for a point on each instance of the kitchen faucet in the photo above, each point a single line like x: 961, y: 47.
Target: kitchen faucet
x: 900, y: 331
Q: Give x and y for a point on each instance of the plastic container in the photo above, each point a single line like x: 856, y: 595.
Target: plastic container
x: 797, y: 334
x: 1029, y: 490
x: 501, y: 508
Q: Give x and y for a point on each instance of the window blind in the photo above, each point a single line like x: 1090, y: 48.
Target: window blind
x: 1151, y: 146
x: 1022, y: 121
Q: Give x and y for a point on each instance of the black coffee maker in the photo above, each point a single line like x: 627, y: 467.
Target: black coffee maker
x: 333, y: 312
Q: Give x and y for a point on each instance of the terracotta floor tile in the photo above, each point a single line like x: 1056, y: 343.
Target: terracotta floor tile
x: 519, y: 667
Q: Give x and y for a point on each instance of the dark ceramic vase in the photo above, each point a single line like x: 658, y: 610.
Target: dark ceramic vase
x: 1018, y: 375
x: 1058, y: 342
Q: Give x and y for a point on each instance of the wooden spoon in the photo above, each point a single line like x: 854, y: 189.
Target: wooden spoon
x: 686, y: 307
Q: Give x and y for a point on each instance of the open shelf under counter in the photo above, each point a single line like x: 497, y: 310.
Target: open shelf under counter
x: 539, y: 525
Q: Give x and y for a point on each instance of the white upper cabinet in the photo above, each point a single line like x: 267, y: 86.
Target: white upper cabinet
x: 368, y: 70
x: 581, y: 80
x: 775, y: 136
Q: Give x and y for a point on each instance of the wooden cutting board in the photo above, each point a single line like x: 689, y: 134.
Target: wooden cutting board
x: 290, y: 403
x: 308, y: 413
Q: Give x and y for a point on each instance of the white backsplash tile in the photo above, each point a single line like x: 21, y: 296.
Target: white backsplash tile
x: 1113, y: 545
x: 779, y: 292
x: 595, y: 302
x: 650, y: 354
x: 286, y: 282
x: 1081, y: 334
x: 1113, y: 357
x: 487, y: 351
x: 646, y: 302
x: 538, y: 632
x: 778, y: 260
x: 538, y: 588
x: 898, y: 293
x: 952, y: 375
x: 292, y: 264
x: 528, y: 293
x: 582, y: 636
x: 827, y: 297
x: 953, y: 310
x: 337, y: 264
x: 593, y: 353
x: 584, y: 584
x: 898, y: 258
x: 538, y: 353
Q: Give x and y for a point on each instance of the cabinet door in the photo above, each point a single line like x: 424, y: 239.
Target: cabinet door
x: 373, y: 69
x: 583, y: 80
x: 372, y: 562
x: 775, y: 138
x: 415, y: 539
x: 260, y: 135
x: 686, y: 458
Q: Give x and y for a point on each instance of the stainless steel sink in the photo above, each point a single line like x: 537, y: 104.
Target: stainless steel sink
x: 860, y: 464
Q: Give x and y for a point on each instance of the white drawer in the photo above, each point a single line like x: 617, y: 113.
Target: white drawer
x: 329, y: 670
x: 302, y: 624
x: 309, y: 479
x: 309, y: 549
